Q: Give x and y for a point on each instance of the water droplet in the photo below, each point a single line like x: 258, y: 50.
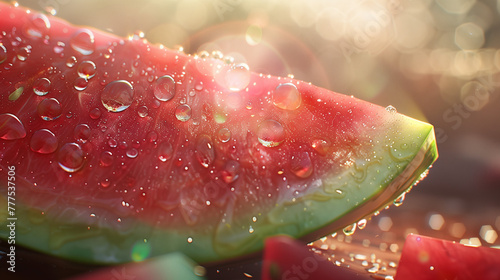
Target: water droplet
x: 152, y: 136
x: 190, y: 240
x: 95, y: 113
x: 224, y: 135
x: 132, y: 153
x: 399, y: 201
x: 71, y: 61
x: 165, y: 151
x: 59, y: 47
x: 3, y: 53
x: 204, y: 152
x: 43, y: 141
x: 117, y: 96
x: 362, y: 223
x: 287, y: 97
x: 271, y: 133
x: 164, y: 88
x: 321, y: 146
x: 112, y: 143
x: 86, y: 69
x: 183, y: 112
x: 11, y: 128
x: 350, y: 229
x: 41, y: 86
x: 38, y: 27
x: 83, y: 42
x: 391, y: 109
x: 81, y: 83
x: 23, y: 53
x: 231, y: 171
x: 199, y: 86
x: 49, y: 109
x: 142, y: 111
x: 70, y: 157
x: 106, y: 158
x: 238, y: 77
x: 250, y: 230
x: 301, y: 165
x: 82, y: 133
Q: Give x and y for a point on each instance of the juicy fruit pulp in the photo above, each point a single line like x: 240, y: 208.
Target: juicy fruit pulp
x: 120, y: 145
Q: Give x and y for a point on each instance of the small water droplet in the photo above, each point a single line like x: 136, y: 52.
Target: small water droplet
x: 224, y: 135
x: 190, y: 240
x: 271, y: 133
x: 350, y: 229
x: 59, y: 47
x: 287, y: 97
x: 81, y: 83
x: 23, y: 53
x: 238, y: 77
x: 132, y: 153
x: 49, y: 109
x: 152, y: 136
x: 164, y: 88
x: 250, y: 230
x: 83, y: 42
x: 117, y: 96
x: 71, y: 61
x: 142, y: 111
x: 321, y: 146
x: 165, y: 151
x: 82, y: 133
x: 112, y: 143
x: 95, y: 113
x: 106, y: 158
x: 183, y: 112
x: 204, y: 152
x: 3, y: 53
x: 399, y: 201
x: 199, y: 86
x: 231, y: 171
x: 11, y: 128
x: 362, y: 223
x: 70, y: 157
x: 301, y: 165
x: 41, y: 86
x: 105, y: 183
x: 86, y: 69
x: 391, y: 109
x: 43, y: 141
x: 38, y: 27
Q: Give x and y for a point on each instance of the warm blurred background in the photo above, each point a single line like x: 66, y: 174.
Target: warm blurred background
x: 435, y: 60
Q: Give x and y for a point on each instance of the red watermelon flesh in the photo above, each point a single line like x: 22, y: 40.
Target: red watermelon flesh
x: 115, y: 141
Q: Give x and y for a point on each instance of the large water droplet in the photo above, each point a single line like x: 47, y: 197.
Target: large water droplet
x: 86, y: 69
x: 23, y: 53
x: 238, y: 77
x: 81, y: 83
x: 204, y: 152
x: 301, y: 165
x: 70, y: 157
x: 271, y: 133
x: 82, y: 133
x: 183, y: 112
x: 11, y: 127
x: 41, y: 86
x: 287, y: 97
x: 3, y: 53
x: 38, y: 27
x: 95, y: 113
x: 142, y: 111
x: 164, y: 88
x: 43, y: 141
x: 231, y: 171
x: 165, y: 151
x: 49, y: 109
x: 83, y: 42
x: 132, y: 153
x: 224, y: 135
x: 117, y: 96
x: 106, y: 158
x: 350, y: 229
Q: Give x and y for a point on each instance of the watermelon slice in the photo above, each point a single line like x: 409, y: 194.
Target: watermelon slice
x: 113, y: 142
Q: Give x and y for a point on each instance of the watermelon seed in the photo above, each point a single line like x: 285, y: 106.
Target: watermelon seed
x: 43, y: 141
x: 11, y: 128
x: 41, y: 86
x: 83, y: 42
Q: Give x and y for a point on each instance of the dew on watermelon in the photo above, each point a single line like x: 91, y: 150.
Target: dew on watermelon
x: 132, y: 153
x: 3, y: 53
x: 391, y: 109
x: 399, y: 201
x: 82, y: 133
x: 70, y: 157
x: 231, y: 171
x: 199, y: 86
x: 362, y: 223
x: 321, y: 146
x: 11, y: 128
x: 87, y: 69
x: 83, y: 42
x: 142, y: 111
x: 112, y: 143
x: 165, y: 151
x: 49, y: 109
x: 271, y: 133
x: 81, y: 83
x: 23, y: 53
x: 41, y: 86
x: 43, y: 141
x: 238, y: 77
x: 106, y: 158
x: 183, y: 112
x: 349, y: 230
x: 59, y: 48
x: 286, y: 96
x: 95, y: 113
x: 71, y: 61
x: 224, y: 135
x: 164, y: 88
x: 301, y: 165
x: 38, y: 27
x: 105, y: 183
x: 204, y: 152
x: 117, y: 96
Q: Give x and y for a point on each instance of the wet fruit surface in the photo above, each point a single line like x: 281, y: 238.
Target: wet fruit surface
x: 117, y: 141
